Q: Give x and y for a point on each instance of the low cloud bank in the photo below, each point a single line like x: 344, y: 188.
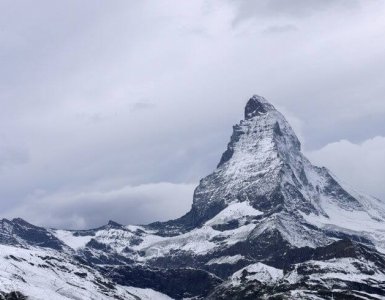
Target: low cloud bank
x: 361, y: 165
x: 127, y: 205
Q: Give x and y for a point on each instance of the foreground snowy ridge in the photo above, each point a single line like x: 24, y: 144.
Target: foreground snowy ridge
x: 265, y: 224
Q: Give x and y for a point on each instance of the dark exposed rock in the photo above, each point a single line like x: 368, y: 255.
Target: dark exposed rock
x: 256, y: 105
x: 177, y: 283
x: 20, y: 232
x: 12, y: 296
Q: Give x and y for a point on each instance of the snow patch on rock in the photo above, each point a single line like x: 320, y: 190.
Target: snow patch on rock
x: 259, y: 271
x: 225, y: 260
x: 74, y: 241
x: 234, y: 211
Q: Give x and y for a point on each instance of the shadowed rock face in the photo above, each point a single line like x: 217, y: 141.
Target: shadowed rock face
x: 12, y: 296
x: 266, y: 223
x: 180, y: 283
x: 257, y: 105
x: 20, y: 233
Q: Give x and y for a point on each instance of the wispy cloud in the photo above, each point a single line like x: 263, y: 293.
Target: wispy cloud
x: 127, y: 205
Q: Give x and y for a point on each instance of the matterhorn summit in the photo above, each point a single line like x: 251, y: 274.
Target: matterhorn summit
x: 265, y: 224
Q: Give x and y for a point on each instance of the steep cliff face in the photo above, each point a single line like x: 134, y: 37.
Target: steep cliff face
x: 266, y: 223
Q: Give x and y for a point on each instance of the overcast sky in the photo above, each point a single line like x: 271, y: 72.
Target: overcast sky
x: 116, y: 109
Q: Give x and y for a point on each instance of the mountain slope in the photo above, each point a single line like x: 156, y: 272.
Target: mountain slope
x: 44, y: 273
x: 265, y: 223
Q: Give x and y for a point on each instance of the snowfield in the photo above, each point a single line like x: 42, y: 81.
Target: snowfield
x: 45, y: 274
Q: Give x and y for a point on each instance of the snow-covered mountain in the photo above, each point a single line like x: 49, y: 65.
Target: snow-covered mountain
x: 266, y: 224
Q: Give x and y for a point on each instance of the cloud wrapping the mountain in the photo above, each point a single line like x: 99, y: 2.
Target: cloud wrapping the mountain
x: 130, y: 204
x: 360, y: 165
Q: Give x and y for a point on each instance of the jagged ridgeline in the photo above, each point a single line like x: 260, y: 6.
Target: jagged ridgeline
x: 266, y: 224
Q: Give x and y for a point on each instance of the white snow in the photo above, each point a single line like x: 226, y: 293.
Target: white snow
x: 147, y: 294
x: 339, y: 268
x: 45, y: 274
x: 234, y: 211
x: 196, y: 241
x: 116, y: 238
x: 358, y: 222
x: 71, y: 240
x: 258, y: 271
x: 225, y: 260
x: 350, y: 219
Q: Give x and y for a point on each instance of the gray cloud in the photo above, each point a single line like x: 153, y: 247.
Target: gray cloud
x: 276, y: 29
x: 10, y: 156
x: 80, y: 210
x: 292, y: 9
x: 359, y: 164
x: 100, y: 95
x: 142, y: 105
x: 13, y: 152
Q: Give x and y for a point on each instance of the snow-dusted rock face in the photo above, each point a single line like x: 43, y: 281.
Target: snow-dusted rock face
x: 265, y: 224
x: 44, y: 273
x: 342, y: 270
x: 263, y: 166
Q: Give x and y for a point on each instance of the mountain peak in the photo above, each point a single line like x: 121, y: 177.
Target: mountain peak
x: 257, y: 105
x: 22, y: 222
x: 114, y: 224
